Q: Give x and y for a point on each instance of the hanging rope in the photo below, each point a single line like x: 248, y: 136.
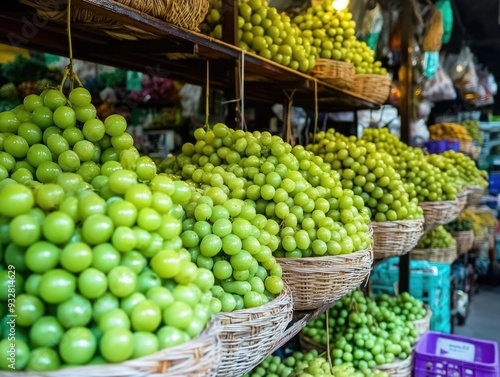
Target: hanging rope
x: 207, y: 96
x: 288, y: 135
x: 316, y: 108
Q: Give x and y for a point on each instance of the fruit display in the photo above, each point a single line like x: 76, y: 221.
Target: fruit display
x: 459, y: 226
x: 448, y: 131
x: 369, y: 173
x: 264, y: 31
x: 307, y: 364
x: 469, y: 173
x: 480, y: 220
x: 297, y: 193
x: 472, y: 128
x: 404, y: 305
x: 438, y: 238
x: 332, y: 33
x: 368, y: 332
x: 95, y: 247
x: 322, y: 32
x: 422, y: 180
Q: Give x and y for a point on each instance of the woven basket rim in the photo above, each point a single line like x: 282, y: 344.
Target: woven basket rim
x: 380, y: 225
x: 329, y: 258
x: 285, y: 292
x: 212, y: 330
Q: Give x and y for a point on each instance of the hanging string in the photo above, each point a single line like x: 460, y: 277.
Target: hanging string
x: 316, y: 108
x: 207, y: 96
x: 328, y: 354
x: 68, y: 71
x: 288, y: 136
x: 242, y: 92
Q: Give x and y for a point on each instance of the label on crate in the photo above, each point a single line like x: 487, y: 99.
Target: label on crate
x: 454, y: 349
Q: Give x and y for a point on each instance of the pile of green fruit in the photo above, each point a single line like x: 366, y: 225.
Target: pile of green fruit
x: 298, y: 198
x: 467, y: 169
x: 92, y: 236
x: 307, y: 364
x: 369, y: 173
x: 404, y: 305
x: 367, y: 332
x: 264, y: 31
x: 438, y: 238
x: 422, y: 179
x: 472, y: 127
x: 459, y: 226
x: 332, y: 34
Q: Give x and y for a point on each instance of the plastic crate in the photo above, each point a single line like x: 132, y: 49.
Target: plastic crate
x: 440, y: 146
x: 441, y: 318
x: 429, y: 282
x: 452, y: 355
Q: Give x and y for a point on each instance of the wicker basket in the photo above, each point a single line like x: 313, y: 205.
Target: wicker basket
x: 479, y: 241
x: 188, y: 14
x: 445, y: 255
x: 462, y: 201
x: 393, y: 238
x: 475, y: 195
x: 399, y: 368
x: 199, y: 357
x: 333, y: 72
x: 375, y: 87
x: 424, y: 324
x: 248, y: 335
x: 318, y: 281
x: 464, y: 240
x: 439, y: 213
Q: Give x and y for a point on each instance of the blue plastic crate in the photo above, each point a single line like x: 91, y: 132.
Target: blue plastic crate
x: 429, y: 282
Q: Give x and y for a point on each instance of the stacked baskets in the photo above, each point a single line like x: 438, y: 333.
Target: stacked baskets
x: 444, y: 255
x: 475, y: 195
x: 394, y: 238
x: 375, y: 87
x: 199, y: 357
x: 248, y: 335
x: 188, y: 14
x: 464, y: 240
x: 440, y: 213
x: 318, y: 281
x: 334, y: 72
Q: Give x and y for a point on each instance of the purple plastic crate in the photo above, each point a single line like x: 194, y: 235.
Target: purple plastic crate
x: 447, y: 355
x: 440, y: 146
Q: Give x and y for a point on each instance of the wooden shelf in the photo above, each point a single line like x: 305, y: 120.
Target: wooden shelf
x: 169, y: 51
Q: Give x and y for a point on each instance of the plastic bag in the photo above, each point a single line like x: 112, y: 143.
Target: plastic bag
x: 447, y: 16
x: 434, y: 32
x: 439, y: 88
x: 372, y: 26
x: 431, y: 63
x: 462, y: 70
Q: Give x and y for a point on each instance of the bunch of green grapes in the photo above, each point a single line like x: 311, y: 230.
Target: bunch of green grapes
x: 438, y: 238
x: 369, y: 173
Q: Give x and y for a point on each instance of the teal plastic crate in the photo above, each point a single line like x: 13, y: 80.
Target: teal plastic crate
x: 429, y: 282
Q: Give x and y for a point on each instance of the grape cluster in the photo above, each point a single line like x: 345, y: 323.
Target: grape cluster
x: 422, y: 180
x: 438, y: 238
x: 366, y: 333
x: 369, y: 173
x: 291, y: 186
